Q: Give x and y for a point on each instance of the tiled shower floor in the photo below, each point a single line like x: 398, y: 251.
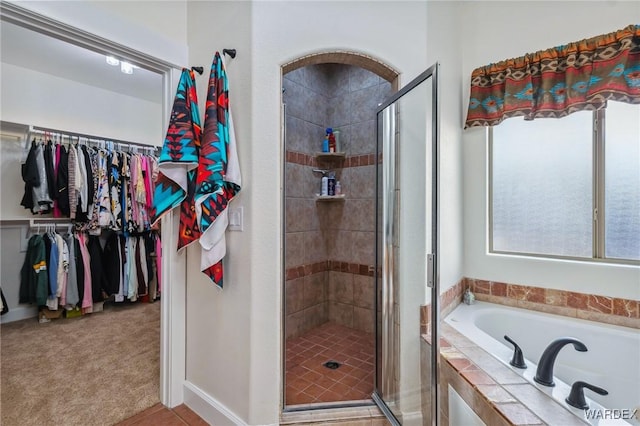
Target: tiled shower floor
x: 309, y: 381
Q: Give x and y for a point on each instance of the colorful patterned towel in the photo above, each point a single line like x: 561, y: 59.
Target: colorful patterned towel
x: 178, y: 162
x: 218, y: 179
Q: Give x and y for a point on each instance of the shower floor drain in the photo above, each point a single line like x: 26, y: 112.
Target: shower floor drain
x: 332, y: 364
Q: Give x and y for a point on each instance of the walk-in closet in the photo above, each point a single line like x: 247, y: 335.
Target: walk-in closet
x: 80, y: 131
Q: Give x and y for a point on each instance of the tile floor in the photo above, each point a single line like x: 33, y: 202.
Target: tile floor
x: 309, y: 381
x: 161, y: 415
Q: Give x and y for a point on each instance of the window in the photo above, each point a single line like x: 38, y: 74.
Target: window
x: 567, y: 187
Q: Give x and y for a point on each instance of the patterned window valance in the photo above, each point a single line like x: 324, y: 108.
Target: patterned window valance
x: 556, y: 82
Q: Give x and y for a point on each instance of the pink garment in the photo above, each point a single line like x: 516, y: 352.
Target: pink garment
x: 134, y: 169
x: 153, y: 163
x: 159, y: 262
x: 87, y: 299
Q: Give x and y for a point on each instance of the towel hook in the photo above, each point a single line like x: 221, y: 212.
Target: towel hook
x: 230, y: 52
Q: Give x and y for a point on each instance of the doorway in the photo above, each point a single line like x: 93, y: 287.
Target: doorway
x: 329, y: 238
x: 136, y: 115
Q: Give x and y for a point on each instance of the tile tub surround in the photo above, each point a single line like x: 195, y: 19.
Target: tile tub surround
x: 591, y: 307
x: 494, y: 392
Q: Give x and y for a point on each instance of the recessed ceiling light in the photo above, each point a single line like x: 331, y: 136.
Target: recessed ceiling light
x: 126, y: 68
x: 112, y: 61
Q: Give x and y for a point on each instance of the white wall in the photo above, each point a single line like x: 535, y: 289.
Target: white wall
x: 493, y: 31
x: 219, y: 333
x: 32, y: 97
x: 233, y: 336
x: 443, y: 46
x: 161, y: 34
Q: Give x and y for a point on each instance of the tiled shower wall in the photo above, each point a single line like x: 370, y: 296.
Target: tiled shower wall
x: 330, y: 246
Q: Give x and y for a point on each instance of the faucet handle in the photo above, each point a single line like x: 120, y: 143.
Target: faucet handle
x: 517, y: 360
x: 576, y: 396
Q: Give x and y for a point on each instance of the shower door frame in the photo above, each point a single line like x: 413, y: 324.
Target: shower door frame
x: 431, y: 259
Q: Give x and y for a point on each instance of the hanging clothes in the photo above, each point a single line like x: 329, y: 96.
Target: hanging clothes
x: 98, y: 278
x: 34, y: 287
x: 115, y: 186
x: 62, y: 178
x: 49, y: 164
x: 72, y: 298
x: 41, y: 200
x: 87, y: 291
x: 111, y: 263
x: 74, y: 180
x: 30, y: 177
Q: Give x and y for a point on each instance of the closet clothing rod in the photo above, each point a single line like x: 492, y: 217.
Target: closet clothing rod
x: 93, y: 138
x: 51, y: 224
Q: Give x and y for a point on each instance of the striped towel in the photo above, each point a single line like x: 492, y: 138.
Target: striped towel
x: 218, y: 178
x: 178, y: 162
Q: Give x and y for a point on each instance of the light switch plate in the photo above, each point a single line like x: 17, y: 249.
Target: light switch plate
x: 236, y: 218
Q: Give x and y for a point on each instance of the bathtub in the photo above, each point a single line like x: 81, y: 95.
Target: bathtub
x: 612, y: 361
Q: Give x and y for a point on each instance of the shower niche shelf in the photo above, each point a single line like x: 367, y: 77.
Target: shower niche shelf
x: 325, y: 198
x: 330, y: 155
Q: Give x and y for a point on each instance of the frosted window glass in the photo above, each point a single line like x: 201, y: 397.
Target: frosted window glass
x: 542, y: 186
x: 622, y: 181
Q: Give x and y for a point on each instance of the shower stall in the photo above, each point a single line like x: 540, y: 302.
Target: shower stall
x: 330, y: 241
x: 360, y: 265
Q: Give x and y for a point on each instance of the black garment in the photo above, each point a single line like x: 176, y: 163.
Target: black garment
x: 48, y: 165
x: 91, y: 191
x: 33, y: 275
x: 79, y: 270
x: 112, y: 264
x: 98, y: 277
x: 30, y: 177
x: 5, y: 307
x: 47, y: 251
x: 150, y: 246
x: 63, y: 182
x: 80, y: 215
x: 142, y: 284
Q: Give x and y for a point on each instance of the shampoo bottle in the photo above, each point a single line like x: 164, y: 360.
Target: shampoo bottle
x: 325, y: 186
x: 331, y: 184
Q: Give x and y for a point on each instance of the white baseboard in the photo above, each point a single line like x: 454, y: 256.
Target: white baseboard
x: 19, y: 313
x: 209, y: 408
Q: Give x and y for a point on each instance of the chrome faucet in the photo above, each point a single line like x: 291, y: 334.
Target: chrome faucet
x: 544, y: 373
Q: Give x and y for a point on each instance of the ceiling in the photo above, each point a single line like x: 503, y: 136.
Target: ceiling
x: 32, y: 50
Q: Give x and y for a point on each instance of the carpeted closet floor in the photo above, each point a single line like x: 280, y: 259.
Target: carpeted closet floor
x: 94, y: 370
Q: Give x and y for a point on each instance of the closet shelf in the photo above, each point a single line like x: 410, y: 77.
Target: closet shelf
x: 325, y: 198
x: 330, y: 155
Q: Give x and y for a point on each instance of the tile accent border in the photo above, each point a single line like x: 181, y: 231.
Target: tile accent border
x: 328, y: 265
x: 304, y: 159
x: 609, y: 310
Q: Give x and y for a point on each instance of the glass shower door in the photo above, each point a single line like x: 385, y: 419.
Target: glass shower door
x: 407, y: 240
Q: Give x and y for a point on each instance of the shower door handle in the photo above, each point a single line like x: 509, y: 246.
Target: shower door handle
x: 430, y: 270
